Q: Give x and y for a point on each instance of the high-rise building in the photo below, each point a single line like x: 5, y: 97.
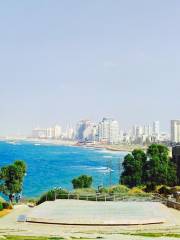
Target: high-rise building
x: 51, y: 132
x: 70, y: 133
x: 39, y: 133
x: 84, y: 130
x: 57, y: 132
x: 156, y: 129
x: 90, y: 133
x: 175, y: 131
x: 108, y: 131
x: 147, y: 130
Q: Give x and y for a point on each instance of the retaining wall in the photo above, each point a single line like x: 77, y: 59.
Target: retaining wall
x: 173, y: 204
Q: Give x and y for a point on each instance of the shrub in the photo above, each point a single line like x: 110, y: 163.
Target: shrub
x: 80, y: 191
x: 83, y: 181
x: 104, y: 190
x: 119, y: 189
x: 52, y: 195
x: 157, y: 188
x: 175, y: 189
x: 1, y: 206
x: 7, y: 205
x: 135, y: 191
x: 150, y: 187
x: 164, y: 190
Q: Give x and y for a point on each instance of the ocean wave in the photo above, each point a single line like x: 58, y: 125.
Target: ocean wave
x: 107, y: 156
x: 116, y: 153
x: 100, y: 169
x: 14, y: 143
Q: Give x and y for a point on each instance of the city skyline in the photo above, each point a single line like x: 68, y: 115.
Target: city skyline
x: 107, y: 131
x: 127, y: 129
x: 62, y: 61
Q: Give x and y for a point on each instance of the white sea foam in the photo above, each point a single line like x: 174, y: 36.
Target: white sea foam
x: 14, y: 143
x: 106, y: 156
x: 100, y: 169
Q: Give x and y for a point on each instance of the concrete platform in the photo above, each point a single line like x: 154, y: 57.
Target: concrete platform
x: 77, y: 212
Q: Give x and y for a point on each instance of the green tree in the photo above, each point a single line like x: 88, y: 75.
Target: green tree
x: 133, y: 173
x: 159, y: 167
x: 172, y: 174
x: 11, y: 178
x: 82, y: 181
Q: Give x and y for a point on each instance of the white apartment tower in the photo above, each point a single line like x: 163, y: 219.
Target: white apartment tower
x: 156, y: 129
x: 175, y: 131
x: 57, y: 131
x: 108, y: 131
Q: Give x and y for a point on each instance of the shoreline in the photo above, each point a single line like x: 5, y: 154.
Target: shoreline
x: 60, y: 142
x: 40, y: 141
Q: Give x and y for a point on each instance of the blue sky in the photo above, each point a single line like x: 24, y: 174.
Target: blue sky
x: 61, y: 61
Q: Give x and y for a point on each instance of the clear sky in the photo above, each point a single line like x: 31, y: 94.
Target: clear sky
x: 65, y: 60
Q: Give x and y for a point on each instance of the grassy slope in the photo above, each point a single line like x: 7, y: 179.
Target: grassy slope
x: 37, y: 238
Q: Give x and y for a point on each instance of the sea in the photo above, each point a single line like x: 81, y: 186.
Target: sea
x: 50, y: 166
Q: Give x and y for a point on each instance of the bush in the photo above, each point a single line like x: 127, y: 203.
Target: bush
x: 175, y: 189
x: 150, y: 187
x: 85, y: 191
x: 1, y: 206
x: 119, y: 189
x: 104, y: 190
x: 52, y: 195
x: 135, y: 191
x: 7, y: 205
x: 116, y: 189
x: 83, y: 181
x: 164, y: 190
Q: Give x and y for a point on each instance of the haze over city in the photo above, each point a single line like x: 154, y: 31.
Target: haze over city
x: 63, y: 61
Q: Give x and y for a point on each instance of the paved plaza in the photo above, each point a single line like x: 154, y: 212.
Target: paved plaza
x: 10, y: 226
x: 78, y: 212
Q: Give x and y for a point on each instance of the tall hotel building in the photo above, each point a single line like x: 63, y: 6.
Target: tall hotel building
x: 175, y: 131
x: 108, y: 131
x: 156, y: 128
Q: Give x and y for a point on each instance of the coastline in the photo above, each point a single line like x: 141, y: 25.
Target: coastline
x: 40, y: 141
x: 113, y: 148
x: 60, y: 142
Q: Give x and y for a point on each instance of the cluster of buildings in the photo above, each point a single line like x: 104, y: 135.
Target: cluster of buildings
x: 54, y: 132
x: 144, y: 134
x: 151, y: 133
x: 107, y: 131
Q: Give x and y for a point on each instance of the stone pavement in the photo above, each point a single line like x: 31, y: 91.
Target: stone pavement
x: 9, y: 226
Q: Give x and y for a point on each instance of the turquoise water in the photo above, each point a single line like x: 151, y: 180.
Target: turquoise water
x: 55, y: 166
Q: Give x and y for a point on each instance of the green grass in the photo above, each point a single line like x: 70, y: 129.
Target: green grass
x: 39, y: 238
x: 31, y: 238
x: 156, y: 235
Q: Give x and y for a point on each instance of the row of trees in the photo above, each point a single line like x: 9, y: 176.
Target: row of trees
x: 11, y: 178
x: 152, y: 168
